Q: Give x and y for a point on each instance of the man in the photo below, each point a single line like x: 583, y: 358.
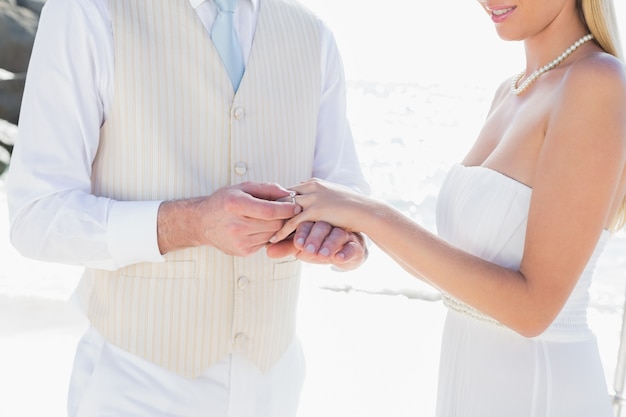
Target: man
x: 141, y: 158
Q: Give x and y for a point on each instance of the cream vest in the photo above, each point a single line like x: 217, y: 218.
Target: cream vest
x: 177, y: 130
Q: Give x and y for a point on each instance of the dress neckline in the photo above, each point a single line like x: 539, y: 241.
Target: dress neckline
x: 500, y: 174
x: 605, y: 232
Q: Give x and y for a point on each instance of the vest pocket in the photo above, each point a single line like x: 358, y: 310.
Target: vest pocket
x: 287, y: 269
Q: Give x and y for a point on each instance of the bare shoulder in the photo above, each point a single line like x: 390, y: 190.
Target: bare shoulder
x: 593, y: 93
x: 588, y: 110
x: 503, y: 90
x: 598, y: 75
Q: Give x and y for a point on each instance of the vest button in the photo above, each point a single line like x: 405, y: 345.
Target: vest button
x: 238, y: 113
x: 240, y: 340
x: 241, y: 168
x: 242, y: 283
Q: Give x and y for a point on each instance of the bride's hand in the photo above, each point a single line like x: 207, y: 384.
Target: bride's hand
x: 322, y: 201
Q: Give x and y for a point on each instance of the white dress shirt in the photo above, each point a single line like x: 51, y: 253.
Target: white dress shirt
x: 68, y: 96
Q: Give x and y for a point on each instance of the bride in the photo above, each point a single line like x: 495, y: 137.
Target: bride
x: 520, y: 221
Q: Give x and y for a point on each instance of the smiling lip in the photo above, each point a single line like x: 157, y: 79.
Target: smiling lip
x: 500, y: 14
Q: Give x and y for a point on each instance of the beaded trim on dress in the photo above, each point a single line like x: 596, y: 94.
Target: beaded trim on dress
x: 461, y: 307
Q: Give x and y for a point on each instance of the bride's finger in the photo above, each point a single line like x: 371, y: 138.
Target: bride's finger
x: 305, y: 187
x: 289, y: 227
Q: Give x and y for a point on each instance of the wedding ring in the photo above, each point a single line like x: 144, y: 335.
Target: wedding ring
x: 292, y: 195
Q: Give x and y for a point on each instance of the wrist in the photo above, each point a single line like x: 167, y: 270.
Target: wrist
x: 176, y: 228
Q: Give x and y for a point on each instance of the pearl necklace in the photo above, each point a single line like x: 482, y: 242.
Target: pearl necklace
x: 539, y: 72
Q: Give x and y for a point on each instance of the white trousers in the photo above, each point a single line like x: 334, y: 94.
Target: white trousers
x: 107, y: 381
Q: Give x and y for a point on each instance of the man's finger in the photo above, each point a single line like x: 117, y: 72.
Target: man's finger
x: 301, y: 234
x: 256, y: 208
x: 265, y: 191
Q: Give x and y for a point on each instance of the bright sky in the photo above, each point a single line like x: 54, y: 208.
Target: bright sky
x: 428, y: 41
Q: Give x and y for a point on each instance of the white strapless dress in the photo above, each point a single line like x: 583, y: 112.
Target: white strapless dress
x: 488, y: 370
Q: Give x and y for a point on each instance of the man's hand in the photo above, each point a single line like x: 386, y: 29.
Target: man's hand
x: 237, y: 220
x: 321, y: 243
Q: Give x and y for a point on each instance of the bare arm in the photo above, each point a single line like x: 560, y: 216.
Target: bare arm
x: 578, y: 176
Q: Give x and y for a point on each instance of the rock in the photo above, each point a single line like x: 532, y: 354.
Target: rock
x: 32, y: 5
x: 18, y: 26
x: 5, y: 160
x: 11, y: 91
x: 8, y: 135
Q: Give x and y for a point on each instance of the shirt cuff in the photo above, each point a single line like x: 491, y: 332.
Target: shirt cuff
x: 132, y: 232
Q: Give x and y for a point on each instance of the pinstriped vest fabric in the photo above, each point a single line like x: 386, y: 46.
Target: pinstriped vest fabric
x: 177, y: 130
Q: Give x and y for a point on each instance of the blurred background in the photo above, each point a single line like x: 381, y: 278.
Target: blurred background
x: 420, y: 79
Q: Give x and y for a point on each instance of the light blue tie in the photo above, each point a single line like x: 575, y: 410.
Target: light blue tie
x: 225, y: 40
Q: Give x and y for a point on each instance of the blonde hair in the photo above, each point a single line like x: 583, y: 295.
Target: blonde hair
x: 599, y: 17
